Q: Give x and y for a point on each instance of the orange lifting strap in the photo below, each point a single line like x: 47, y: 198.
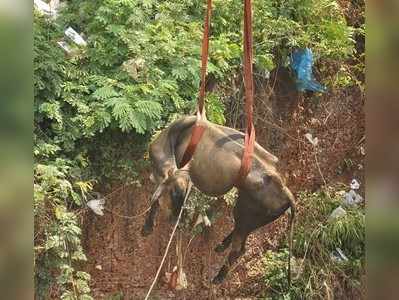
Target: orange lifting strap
x: 198, y: 129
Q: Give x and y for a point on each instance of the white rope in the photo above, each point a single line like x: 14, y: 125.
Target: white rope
x: 125, y: 216
x: 129, y: 217
x: 169, y: 243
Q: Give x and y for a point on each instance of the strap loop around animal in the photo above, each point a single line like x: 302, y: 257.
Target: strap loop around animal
x: 196, y: 136
x: 199, y: 129
x: 249, y: 141
x: 204, y: 58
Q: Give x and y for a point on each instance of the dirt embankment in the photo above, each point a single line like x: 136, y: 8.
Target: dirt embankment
x: 123, y: 263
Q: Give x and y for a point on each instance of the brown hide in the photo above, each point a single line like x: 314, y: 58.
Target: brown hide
x: 214, y: 168
x: 217, y: 160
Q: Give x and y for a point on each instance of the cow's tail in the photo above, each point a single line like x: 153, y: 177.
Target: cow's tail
x: 290, y: 237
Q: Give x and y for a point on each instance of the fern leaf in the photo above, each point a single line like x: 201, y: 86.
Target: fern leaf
x: 138, y: 121
x: 111, y: 102
x: 151, y: 109
x: 105, y: 92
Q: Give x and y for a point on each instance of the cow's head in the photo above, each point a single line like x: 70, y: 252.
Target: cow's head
x: 272, y: 187
x: 171, y: 192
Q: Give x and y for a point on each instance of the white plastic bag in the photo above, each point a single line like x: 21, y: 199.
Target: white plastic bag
x: 97, y: 206
x: 337, y: 213
x: 74, y: 36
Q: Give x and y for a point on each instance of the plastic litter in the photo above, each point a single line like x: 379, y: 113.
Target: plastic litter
x: 203, y: 219
x: 181, y: 280
x: 355, y: 185
x: 302, y: 63
x: 48, y: 9
x: 352, y: 198
x: 65, y: 46
x: 97, y: 206
x: 75, y: 37
x: 313, y: 140
x: 337, y: 213
x: 42, y: 6
x: 338, y: 255
x: 176, y: 280
x: 362, y: 150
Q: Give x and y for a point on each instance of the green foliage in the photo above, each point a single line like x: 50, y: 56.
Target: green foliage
x: 57, y: 231
x: 316, y: 273
x: 200, y: 204
x: 215, y: 110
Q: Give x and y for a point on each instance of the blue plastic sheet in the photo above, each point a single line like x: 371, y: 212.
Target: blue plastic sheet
x: 302, y: 63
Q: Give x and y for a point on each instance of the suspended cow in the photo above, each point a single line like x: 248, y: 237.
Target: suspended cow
x: 213, y: 169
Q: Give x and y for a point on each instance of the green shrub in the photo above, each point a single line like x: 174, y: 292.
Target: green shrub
x: 317, y: 273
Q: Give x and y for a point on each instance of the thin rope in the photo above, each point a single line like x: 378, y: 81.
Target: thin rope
x: 124, y: 216
x: 169, y: 243
x: 128, y: 217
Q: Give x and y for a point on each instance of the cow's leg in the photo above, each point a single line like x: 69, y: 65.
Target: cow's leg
x: 249, y: 215
x: 237, y: 249
x: 149, y: 222
x: 237, y: 220
x: 225, y: 243
x: 237, y: 237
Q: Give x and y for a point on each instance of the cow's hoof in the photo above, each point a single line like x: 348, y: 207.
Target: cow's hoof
x: 218, y: 279
x: 146, y: 230
x: 220, y: 248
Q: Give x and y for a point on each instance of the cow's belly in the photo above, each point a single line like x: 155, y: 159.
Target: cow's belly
x: 214, y: 170
x: 216, y: 162
x: 210, y: 186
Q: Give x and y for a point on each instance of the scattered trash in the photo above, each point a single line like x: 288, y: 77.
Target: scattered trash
x: 302, y: 63
x: 181, y: 281
x: 176, y: 280
x: 362, y: 151
x: 65, y: 46
x: 338, y: 255
x: 42, y: 6
x: 99, y: 267
x: 313, y: 140
x: 355, y: 185
x: 203, y: 219
x: 337, y: 213
x: 49, y: 9
x: 75, y: 37
x: 97, y: 206
x: 352, y: 198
